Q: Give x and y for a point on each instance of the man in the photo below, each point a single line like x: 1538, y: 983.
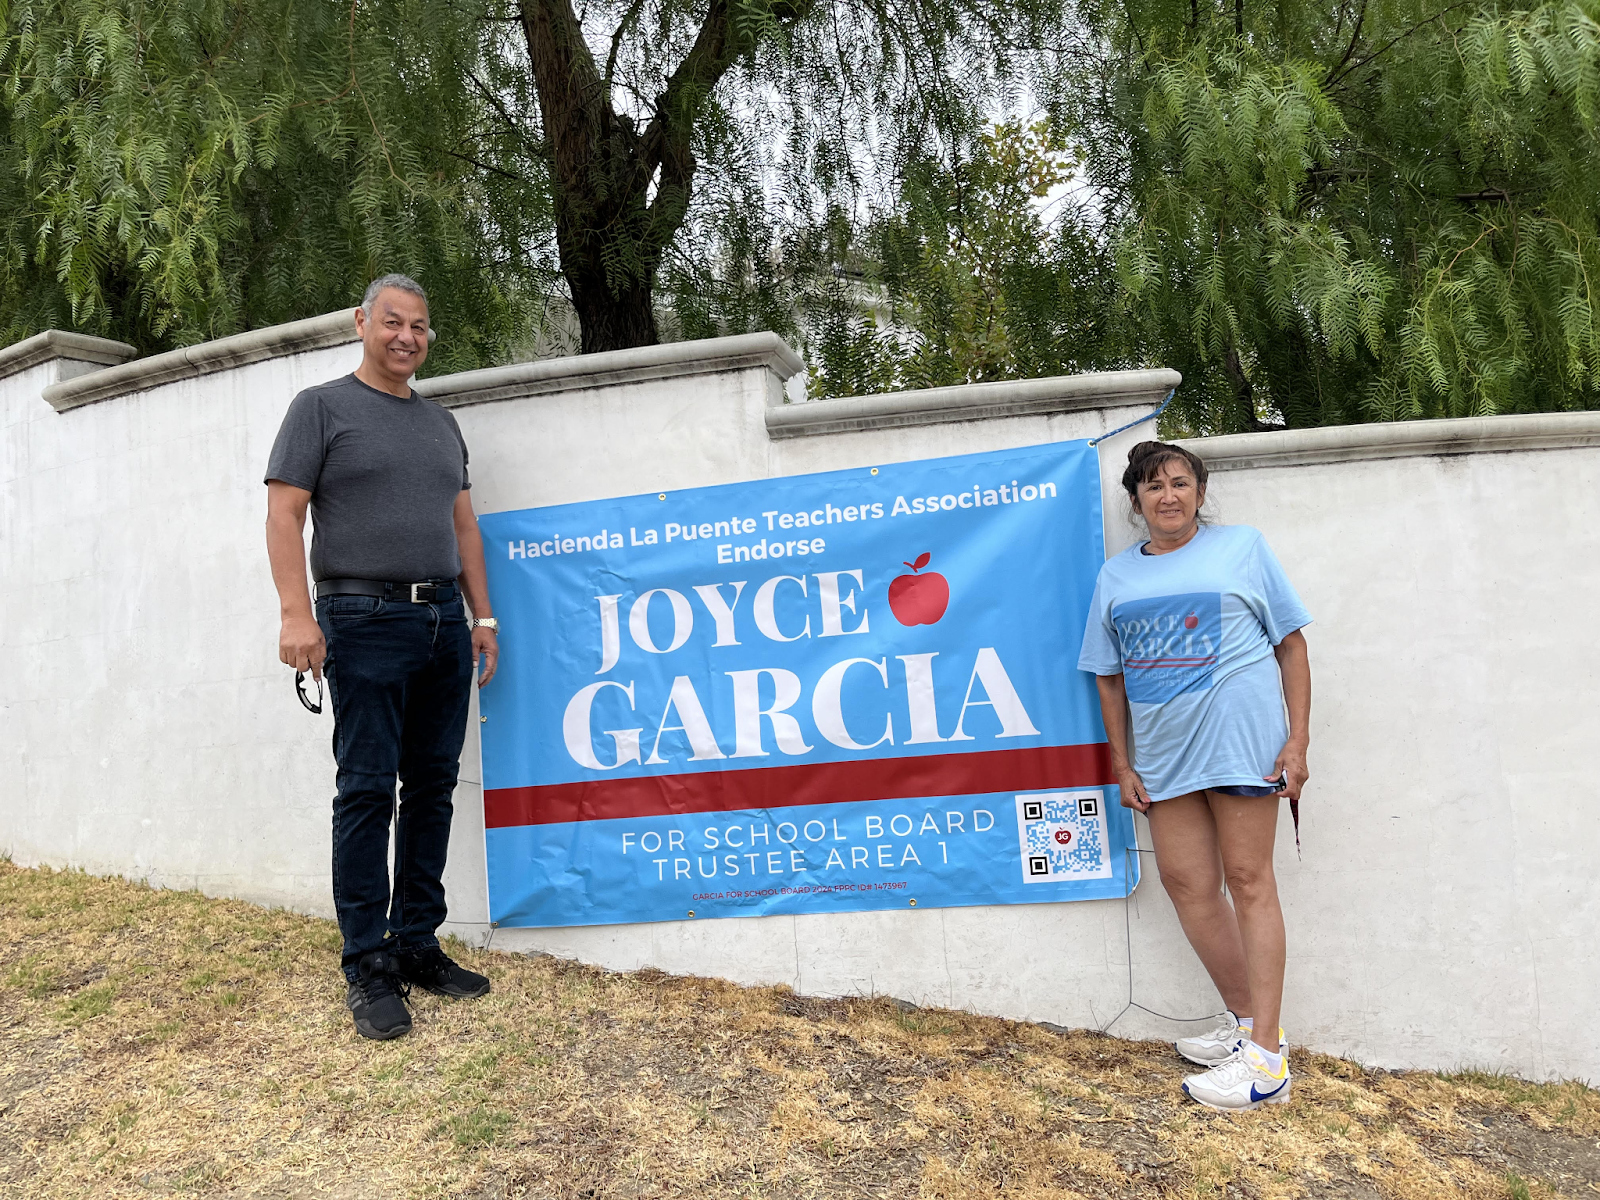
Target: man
x: 395, y: 547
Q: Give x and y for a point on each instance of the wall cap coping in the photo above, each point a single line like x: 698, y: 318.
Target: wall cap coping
x: 577, y: 372
x: 188, y: 362
x: 971, y: 402
x: 1398, y: 439
x: 63, y: 344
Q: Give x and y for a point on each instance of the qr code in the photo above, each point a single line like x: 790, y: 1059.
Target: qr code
x: 1063, y: 836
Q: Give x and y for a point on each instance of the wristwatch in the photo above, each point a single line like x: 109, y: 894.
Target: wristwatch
x: 486, y: 623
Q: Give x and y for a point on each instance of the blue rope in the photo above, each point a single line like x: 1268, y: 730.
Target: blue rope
x: 1147, y: 417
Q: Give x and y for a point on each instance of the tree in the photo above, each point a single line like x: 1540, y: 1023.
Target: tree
x: 181, y: 169
x: 1384, y: 210
x: 1377, y: 210
x: 823, y: 84
x: 621, y: 185
x: 980, y: 269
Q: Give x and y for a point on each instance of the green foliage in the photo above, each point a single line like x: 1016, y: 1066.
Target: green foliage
x: 1378, y: 210
x: 1374, y: 210
x: 965, y: 280
x: 1385, y: 213
x: 849, y: 159
x: 991, y: 290
x: 177, y: 170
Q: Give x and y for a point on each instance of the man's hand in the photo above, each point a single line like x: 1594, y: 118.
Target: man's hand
x: 485, y: 649
x: 300, y: 641
x: 474, y: 586
x: 302, y: 646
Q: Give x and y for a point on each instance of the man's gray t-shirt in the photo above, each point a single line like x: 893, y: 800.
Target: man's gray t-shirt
x: 383, y: 474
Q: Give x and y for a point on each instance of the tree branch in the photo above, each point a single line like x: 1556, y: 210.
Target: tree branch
x: 667, y: 144
x: 1355, y: 40
x: 628, y: 18
x: 569, y: 87
x: 482, y: 166
x: 686, y: 88
x: 499, y: 106
x: 1357, y: 64
x: 716, y: 46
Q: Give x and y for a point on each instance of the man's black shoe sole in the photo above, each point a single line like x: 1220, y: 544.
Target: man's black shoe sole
x: 367, y: 1030
x: 453, y: 995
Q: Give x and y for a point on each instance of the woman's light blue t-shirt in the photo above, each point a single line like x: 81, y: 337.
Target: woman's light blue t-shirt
x: 1191, y: 632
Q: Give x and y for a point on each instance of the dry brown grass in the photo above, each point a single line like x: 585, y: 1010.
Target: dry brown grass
x: 162, y: 1043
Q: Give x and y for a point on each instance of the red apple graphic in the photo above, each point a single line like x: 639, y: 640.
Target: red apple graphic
x: 1063, y: 836
x: 919, y: 599
x: 1191, y: 621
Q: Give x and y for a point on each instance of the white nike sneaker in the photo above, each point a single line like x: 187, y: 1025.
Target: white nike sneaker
x: 1242, y: 1083
x: 1218, y: 1046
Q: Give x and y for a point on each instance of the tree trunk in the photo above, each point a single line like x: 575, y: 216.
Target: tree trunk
x: 610, y: 231
x: 1245, y: 392
x: 610, y: 320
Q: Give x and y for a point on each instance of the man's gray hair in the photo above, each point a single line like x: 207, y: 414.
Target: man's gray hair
x: 402, y: 283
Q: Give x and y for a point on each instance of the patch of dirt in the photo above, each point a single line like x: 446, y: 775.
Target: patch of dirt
x: 28, y: 1062
x: 1569, y: 1164
x: 1342, y: 1183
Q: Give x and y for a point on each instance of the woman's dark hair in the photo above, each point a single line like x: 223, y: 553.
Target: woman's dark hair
x: 1145, y: 461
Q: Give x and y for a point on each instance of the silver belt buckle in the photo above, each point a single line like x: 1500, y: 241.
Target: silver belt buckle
x: 414, y: 588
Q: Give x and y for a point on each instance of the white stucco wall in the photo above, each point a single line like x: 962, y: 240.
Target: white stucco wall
x: 1442, y: 914
x: 143, y: 713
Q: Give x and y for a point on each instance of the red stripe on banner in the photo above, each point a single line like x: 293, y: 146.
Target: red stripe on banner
x: 809, y: 783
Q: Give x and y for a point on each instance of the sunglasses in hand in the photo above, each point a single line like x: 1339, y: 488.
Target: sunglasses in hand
x: 300, y: 690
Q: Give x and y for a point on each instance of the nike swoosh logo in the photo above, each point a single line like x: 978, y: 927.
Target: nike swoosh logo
x: 1257, y: 1095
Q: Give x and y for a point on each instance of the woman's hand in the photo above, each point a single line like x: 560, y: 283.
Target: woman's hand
x: 1294, y: 663
x: 1291, y: 768
x: 1114, y: 711
x: 1134, y: 793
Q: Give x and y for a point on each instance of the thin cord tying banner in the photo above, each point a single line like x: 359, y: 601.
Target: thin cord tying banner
x: 1147, y: 417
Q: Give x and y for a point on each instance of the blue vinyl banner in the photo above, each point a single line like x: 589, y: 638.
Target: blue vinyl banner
x: 819, y: 693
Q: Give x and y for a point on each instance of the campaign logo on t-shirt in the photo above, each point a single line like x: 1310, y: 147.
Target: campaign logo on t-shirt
x: 1169, y: 644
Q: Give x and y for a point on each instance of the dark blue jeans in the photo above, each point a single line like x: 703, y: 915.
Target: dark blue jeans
x: 399, y: 679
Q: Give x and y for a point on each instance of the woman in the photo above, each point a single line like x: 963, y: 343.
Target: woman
x: 1182, y: 633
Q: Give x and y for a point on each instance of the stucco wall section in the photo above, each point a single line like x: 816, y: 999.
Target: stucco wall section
x: 148, y: 728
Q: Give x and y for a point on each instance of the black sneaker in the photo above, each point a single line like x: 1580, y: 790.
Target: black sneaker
x: 432, y: 970
x: 377, y: 998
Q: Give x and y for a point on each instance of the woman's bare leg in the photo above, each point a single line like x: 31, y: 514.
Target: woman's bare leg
x: 1189, y: 858
x: 1246, y: 827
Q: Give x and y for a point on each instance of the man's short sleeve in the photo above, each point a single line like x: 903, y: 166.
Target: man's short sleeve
x: 301, y: 445
x: 466, y: 476
x: 1279, y: 606
x: 1101, y: 652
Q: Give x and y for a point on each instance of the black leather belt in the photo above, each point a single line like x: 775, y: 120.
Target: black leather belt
x: 429, y: 591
